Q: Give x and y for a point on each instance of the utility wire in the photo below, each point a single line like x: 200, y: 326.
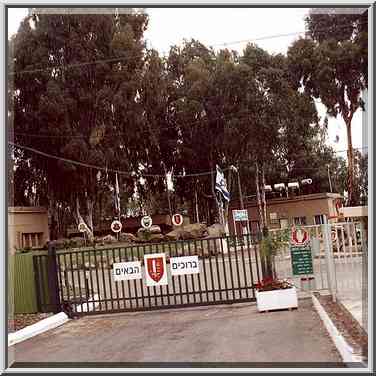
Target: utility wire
x: 82, y: 164
x: 120, y: 58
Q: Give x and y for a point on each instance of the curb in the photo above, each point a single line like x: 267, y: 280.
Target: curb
x: 346, y: 351
x: 37, y: 328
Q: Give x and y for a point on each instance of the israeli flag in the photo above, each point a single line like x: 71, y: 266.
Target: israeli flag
x: 220, y: 184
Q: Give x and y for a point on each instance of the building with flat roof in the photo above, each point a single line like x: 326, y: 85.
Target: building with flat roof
x: 282, y: 212
x: 27, y: 227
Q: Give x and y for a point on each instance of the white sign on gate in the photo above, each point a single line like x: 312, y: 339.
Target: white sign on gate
x: 155, y: 269
x: 184, y: 265
x: 127, y: 270
x: 240, y: 215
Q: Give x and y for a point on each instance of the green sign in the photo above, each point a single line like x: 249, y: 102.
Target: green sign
x: 301, y: 259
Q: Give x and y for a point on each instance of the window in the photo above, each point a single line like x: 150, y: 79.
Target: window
x: 32, y: 240
x: 300, y: 221
x: 319, y: 219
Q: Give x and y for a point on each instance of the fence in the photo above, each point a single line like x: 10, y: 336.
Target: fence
x: 228, y: 272
x: 339, y: 256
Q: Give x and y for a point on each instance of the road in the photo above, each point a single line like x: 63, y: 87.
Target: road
x: 235, y: 334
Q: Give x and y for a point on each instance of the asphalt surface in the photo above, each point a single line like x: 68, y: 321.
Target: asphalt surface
x: 229, y: 333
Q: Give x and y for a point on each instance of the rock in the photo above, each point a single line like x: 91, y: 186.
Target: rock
x: 173, y: 235
x: 127, y: 237
x: 77, y: 242
x: 60, y: 243
x: 155, y: 229
x: 156, y: 238
x: 190, y: 231
x: 108, y: 239
x: 216, y: 231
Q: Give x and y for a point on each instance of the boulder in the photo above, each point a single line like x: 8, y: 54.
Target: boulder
x: 190, y: 231
x: 156, y: 238
x: 108, y: 239
x: 216, y: 231
x: 127, y: 237
x: 155, y: 229
x: 60, y: 243
x: 77, y: 242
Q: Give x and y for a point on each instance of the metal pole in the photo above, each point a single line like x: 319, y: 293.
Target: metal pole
x: 330, y: 181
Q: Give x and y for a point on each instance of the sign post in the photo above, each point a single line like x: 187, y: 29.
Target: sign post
x: 301, y: 253
x: 146, y: 221
x: 177, y: 219
x: 240, y: 216
x: 116, y: 227
x: 83, y: 228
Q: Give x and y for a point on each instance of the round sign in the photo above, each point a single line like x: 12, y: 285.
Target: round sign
x: 146, y: 221
x: 177, y: 219
x: 299, y: 236
x: 82, y: 227
x: 116, y: 226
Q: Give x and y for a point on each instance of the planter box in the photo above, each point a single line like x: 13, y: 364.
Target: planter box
x: 277, y: 299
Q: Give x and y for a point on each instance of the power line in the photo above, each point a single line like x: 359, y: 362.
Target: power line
x: 82, y: 164
x: 115, y: 59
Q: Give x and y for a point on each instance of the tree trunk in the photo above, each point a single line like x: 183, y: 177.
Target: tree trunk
x: 79, y: 220
x: 352, y: 199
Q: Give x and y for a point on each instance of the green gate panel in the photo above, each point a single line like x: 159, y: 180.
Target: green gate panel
x: 23, y: 283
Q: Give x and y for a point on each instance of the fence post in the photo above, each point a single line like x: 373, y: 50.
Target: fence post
x: 53, y: 284
x: 330, y: 266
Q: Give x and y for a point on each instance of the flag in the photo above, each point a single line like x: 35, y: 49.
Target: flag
x: 117, y: 196
x: 220, y: 184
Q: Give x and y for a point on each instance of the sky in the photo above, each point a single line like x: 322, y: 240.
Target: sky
x: 271, y: 29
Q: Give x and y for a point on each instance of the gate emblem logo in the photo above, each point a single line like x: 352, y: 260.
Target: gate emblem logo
x: 299, y: 237
x: 155, y: 267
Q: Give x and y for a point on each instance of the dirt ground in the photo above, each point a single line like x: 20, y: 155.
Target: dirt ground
x: 231, y: 334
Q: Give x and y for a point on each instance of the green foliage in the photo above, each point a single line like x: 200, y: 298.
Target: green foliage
x: 331, y: 64
x: 271, y: 244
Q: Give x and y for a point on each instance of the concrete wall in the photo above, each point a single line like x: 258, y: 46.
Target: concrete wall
x: 287, y: 208
x: 23, y: 221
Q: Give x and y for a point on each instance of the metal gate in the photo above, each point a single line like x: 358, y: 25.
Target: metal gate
x: 229, y: 268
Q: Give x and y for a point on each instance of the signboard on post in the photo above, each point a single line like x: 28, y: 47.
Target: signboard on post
x: 116, y: 226
x: 82, y: 227
x: 184, y: 265
x: 177, y: 219
x: 240, y: 215
x: 155, y: 269
x: 301, y: 253
x: 127, y: 270
x: 146, y: 221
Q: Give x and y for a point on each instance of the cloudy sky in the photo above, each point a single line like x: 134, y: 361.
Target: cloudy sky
x: 272, y: 29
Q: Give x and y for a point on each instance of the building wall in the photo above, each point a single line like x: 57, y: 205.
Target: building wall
x: 27, y: 226
x: 307, y: 206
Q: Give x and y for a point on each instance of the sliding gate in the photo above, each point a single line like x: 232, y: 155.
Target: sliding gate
x: 228, y: 270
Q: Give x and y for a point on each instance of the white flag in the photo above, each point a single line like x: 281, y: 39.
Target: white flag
x: 220, y: 184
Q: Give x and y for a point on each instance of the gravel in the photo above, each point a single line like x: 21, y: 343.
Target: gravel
x: 20, y: 321
x: 346, y: 324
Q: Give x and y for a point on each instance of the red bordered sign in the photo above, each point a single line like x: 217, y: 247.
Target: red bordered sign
x: 299, y: 237
x: 116, y: 226
x: 177, y: 219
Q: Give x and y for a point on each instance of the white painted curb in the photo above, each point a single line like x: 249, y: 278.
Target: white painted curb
x: 346, y: 351
x: 37, y: 328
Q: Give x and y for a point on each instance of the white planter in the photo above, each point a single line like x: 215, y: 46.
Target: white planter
x: 277, y: 299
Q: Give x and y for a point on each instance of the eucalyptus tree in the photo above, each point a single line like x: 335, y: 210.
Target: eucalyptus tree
x: 75, y: 96
x: 330, y: 63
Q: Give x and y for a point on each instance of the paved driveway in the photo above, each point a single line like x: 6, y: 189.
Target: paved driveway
x: 230, y: 333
